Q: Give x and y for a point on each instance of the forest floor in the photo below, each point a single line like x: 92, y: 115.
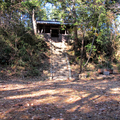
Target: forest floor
x: 92, y: 98
x: 95, y: 99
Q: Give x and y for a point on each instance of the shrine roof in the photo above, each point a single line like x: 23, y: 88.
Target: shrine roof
x: 52, y: 22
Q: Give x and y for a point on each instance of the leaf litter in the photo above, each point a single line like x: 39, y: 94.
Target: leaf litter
x: 60, y: 100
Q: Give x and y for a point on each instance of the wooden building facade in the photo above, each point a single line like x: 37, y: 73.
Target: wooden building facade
x: 54, y: 28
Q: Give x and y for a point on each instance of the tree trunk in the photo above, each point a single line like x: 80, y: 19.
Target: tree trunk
x: 75, y: 28
x: 76, y: 38
x: 81, y: 62
x: 0, y: 17
x: 34, y: 22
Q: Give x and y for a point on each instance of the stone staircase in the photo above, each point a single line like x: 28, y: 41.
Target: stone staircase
x: 60, y: 68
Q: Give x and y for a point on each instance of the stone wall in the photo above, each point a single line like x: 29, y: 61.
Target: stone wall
x: 62, y: 37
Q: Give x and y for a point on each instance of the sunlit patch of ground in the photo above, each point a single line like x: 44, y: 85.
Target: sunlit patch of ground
x: 65, y: 100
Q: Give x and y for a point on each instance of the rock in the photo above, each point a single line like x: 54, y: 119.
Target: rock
x: 51, y: 78
x: 83, y: 75
x: 36, y: 117
x: 106, y: 72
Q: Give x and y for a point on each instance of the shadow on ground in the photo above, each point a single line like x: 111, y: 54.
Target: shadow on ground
x: 65, y: 100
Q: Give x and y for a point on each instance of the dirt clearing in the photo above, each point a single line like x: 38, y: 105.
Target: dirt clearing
x: 60, y: 100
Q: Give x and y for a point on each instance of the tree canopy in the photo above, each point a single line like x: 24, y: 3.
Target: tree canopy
x: 95, y: 24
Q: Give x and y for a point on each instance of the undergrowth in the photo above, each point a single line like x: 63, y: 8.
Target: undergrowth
x: 22, y: 53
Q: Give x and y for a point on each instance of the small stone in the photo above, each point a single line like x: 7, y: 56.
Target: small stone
x: 106, y: 72
x: 20, y: 104
x: 36, y: 117
x: 52, y: 118
x: 89, y: 116
x: 31, y: 104
x: 28, y: 104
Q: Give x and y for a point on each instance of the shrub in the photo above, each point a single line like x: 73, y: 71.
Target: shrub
x: 34, y: 72
x: 118, y: 68
x: 22, y: 49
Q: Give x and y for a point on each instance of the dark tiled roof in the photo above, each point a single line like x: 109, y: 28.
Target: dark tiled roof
x: 52, y: 22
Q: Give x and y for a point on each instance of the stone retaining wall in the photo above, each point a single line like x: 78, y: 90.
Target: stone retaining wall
x: 62, y: 37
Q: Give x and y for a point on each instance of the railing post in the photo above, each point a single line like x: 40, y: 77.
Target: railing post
x: 51, y: 66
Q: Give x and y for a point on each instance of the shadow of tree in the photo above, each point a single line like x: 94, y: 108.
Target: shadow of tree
x: 81, y: 100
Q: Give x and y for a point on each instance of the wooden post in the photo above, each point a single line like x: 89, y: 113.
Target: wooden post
x: 50, y: 31
x: 65, y: 31
x: 44, y: 28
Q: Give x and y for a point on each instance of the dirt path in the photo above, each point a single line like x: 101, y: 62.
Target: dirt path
x: 60, y: 100
x: 60, y: 68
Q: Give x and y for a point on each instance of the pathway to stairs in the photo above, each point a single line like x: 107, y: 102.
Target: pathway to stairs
x: 60, y: 67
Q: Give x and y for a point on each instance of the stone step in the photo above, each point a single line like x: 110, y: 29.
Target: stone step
x: 59, y: 63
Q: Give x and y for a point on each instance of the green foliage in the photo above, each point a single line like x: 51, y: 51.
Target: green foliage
x: 5, y: 51
x: 118, y: 68
x: 34, y: 72
x: 108, y: 65
x: 88, y: 74
x: 21, y: 62
x: 88, y: 47
x: 21, y: 48
x: 100, y: 66
x: 27, y: 53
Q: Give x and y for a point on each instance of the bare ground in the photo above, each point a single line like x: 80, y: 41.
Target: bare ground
x: 92, y: 98
x: 86, y: 99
